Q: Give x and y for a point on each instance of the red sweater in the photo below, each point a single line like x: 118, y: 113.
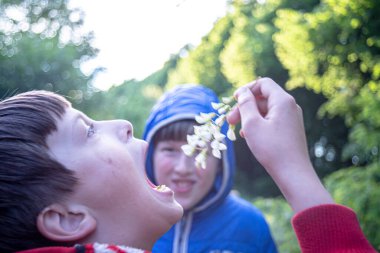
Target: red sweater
x: 320, y: 229
x: 330, y: 228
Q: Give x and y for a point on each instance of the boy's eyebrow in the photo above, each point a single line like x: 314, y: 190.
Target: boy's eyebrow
x: 79, y: 115
x: 74, y: 131
x: 75, y: 120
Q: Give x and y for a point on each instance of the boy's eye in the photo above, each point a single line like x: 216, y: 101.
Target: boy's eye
x: 168, y: 149
x: 91, y: 130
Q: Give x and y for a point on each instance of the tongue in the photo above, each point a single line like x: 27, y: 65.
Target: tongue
x: 183, y: 186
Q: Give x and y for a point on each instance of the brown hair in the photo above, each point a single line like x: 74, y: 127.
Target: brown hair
x: 176, y: 131
x: 30, y: 179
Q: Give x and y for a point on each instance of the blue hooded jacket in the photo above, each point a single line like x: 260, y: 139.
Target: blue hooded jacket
x: 220, y: 222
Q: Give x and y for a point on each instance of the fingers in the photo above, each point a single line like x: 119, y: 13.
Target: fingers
x: 248, y: 107
x: 260, y: 96
x: 234, y: 116
x: 266, y: 87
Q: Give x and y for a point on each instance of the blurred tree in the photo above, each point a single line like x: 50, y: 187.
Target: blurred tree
x: 202, y: 64
x: 42, y: 47
x: 249, y: 52
x: 335, y: 50
x: 131, y: 100
x: 278, y: 214
x: 161, y: 76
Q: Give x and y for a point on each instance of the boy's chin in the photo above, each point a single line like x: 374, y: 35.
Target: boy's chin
x: 175, y: 213
x: 180, y: 212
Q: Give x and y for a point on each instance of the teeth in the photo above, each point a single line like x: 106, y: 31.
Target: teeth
x: 160, y: 187
x: 183, y: 184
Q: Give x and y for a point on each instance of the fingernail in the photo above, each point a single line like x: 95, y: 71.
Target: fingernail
x: 243, y: 94
x: 252, y: 84
x: 241, y: 90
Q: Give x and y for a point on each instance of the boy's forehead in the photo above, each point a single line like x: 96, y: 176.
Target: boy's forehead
x: 69, y: 136
x: 66, y: 124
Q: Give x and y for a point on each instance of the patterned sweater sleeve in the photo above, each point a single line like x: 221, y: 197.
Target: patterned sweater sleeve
x: 330, y: 228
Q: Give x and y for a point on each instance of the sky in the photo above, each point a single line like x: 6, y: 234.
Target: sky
x: 136, y: 37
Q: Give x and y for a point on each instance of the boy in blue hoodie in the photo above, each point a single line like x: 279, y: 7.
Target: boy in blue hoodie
x: 214, y: 220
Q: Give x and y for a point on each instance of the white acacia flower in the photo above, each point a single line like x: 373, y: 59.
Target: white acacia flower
x: 204, y: 117
x: 200, y: 159
x: 231, y: 133
x: 227, y: 100
x: 209, y: 131
x: 219, y: 136
x: 224, y: 109
x: 188, y: 149
x: 220, y: 120
x: 216, y: 153
x: 217, y: 147
x: 213, y: 128
x: 196, y: 141
x: 192, y: 139
x: 216, y: 106
x: 203, y: 132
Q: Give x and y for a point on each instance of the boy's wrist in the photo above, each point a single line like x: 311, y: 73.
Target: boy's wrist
x: 301, y: 186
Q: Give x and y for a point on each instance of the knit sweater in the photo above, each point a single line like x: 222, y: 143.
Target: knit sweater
x: 330, y: 228
x: 321, y: 229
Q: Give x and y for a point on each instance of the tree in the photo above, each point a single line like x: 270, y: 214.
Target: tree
x: 249, y: 52
x: 42, y: 48
x: 334, y: 50
x: 201, y: 65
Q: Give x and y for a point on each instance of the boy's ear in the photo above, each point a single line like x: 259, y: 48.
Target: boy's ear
x: 65, y: 223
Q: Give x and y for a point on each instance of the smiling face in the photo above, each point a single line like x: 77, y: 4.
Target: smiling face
x: 176, y: 170
x: 109, y: 163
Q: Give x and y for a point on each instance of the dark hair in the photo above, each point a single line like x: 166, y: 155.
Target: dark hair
x: 176, y: 131
x: 30, y: 179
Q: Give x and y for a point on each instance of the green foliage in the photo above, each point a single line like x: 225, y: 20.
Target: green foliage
x: 131, y: 101
x: 40, y: 48
x: 293, y: 40
x: 202, y: 64
x: 39, y: 64
x: 278, y: 214
x: 249, y: 51
x: 359, y: 188
x: 335, y: 50
x: 161, y: 76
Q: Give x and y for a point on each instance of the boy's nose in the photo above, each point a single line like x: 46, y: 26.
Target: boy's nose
x: 125, y: 130
x: 184, y: 165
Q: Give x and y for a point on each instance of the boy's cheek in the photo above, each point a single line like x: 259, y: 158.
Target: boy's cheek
x: 164, y: 164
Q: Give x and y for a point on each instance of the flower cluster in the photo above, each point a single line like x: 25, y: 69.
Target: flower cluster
x: 208, y: 133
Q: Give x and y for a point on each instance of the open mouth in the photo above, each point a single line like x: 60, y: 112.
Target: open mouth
x: 160, y: 188
x: 183, y: 186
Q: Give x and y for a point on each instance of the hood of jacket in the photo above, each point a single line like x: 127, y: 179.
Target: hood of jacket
x: 185, y: 102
